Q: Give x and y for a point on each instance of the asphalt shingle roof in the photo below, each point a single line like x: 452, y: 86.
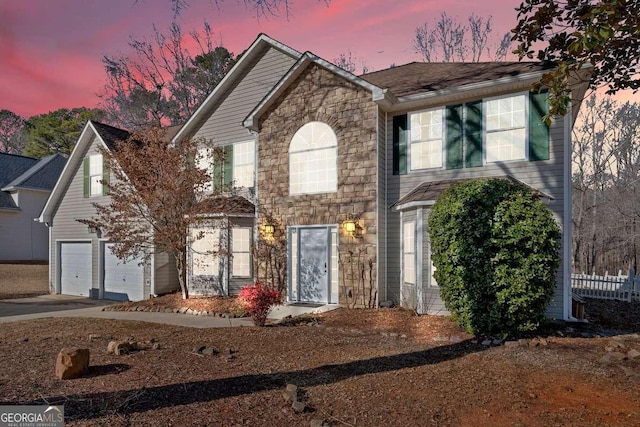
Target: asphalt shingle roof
x: 110, y: 134
x: 420, y: 77
x: 26, y: 172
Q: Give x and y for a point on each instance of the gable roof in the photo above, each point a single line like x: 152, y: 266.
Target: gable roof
x: 419, y: 77
x: 260, y: 44
x: 106, y: 136
x: 18, y: 172
x: 308, y: 58
x: 426, y: 193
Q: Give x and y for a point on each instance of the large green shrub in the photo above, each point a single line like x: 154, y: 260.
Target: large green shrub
x: 496, y: 251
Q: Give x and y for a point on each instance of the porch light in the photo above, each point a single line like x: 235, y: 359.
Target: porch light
x: 350, y: 226
x: 94, y: 229
x: 268, y: 230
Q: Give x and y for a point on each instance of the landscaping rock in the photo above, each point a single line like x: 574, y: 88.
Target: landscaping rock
x: 633, y: 353
x: 318, y: 422
x: 455, y: 339
x: 119, y: 347
x: 72, y: 363
x: 496, y: 342
x: 511, y: 344
x: 298, y: 407
x: 209, y: 351
x: 486, y: 343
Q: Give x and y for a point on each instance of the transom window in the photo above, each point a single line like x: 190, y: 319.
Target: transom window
x: 426, y: 139
x: 241, y: 250
x: 95, y: 174
x: 505, y: 127
x: 409, y: 252
x: 313, y: 160
x: 243, y: 160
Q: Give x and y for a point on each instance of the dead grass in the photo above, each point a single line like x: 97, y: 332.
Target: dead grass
x: 23, y: 280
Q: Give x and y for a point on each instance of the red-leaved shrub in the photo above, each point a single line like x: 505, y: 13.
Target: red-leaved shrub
x: 257, y: 300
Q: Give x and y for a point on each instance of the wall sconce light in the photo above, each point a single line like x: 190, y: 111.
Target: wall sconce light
x: 268, y: 230
x: 350, y: 225
x: 94, y: 229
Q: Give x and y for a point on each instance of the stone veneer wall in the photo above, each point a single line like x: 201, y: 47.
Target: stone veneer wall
x: 319, y: 95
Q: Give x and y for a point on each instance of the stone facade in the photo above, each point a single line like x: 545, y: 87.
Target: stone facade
x: 319, y: 95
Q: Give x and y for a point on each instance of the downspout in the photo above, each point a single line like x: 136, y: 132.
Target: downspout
x: 566, y: 226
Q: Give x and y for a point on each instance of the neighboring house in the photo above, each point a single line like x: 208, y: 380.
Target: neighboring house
x: 350, y: 166
x: 80, y: 260
x: 25, y: 185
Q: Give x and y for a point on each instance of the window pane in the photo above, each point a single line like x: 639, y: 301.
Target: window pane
x: 241, y: 247
x: 96, y: 187
x: 95, y: 164
x: 203, y: 260
x: 409, y: 249
x: 313, y: 160
x: 243, y: 164
x: 241, y: 265
x: 505, y: 125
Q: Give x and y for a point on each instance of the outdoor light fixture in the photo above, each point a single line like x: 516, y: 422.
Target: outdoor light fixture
x: 350, y: 225
x: 94, y: 229
x: 268, y: 230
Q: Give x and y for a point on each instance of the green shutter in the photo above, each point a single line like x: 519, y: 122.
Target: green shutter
x: 473, y: 134
x: 228, y: 166
x: 105, y: 176
x: 400, y: 137
x: 454, y: 136
x: 538, y: 129
x: 86, y: 178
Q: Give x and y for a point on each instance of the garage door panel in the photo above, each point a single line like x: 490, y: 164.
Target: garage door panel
x: 75, y: 268
x: 122, y: 280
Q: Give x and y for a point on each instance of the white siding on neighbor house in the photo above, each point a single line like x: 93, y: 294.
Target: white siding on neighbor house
x: 22, y: 238
x: 544, y: 175
x: 224, y: 125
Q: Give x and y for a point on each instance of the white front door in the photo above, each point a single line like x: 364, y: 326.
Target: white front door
x: 122, y: 280
x: 75, y: 268
x: 313, y: 264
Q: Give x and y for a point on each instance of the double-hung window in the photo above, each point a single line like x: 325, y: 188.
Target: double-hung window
x: 241, y: 251
x: 426, y: 141
x: 409, y: 252
x: 95, y: 174
x: 506, y: 128
x: 243, y: 164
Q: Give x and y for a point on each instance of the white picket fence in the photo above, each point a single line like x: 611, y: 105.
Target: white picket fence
x: 620, y: 287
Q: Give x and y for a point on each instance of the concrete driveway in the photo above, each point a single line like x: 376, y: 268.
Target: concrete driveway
x: 46, y: 304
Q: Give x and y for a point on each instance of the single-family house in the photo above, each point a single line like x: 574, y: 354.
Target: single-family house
x: 349, y: 167
x: 25, y: 185
x: 345, y: 169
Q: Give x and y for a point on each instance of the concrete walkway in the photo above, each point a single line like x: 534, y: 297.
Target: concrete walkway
x: 77, y: 307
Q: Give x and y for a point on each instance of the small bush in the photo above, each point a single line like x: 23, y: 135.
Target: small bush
x: 496, y: 252
x: 257, y: 300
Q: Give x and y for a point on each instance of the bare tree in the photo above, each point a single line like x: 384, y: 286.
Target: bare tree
x: 449, y: 40
x: 347, y: 61
x: 161, y: 83
x: 13, y: 137
x: 156, y: 196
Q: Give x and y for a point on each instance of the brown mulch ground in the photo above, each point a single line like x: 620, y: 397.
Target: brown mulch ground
x: 23, y: 280
x: 354, y: 368
x: 175, y: 301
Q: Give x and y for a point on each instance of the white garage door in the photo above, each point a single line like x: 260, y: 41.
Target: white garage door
x: 75, y: 268
x: 122, y: 281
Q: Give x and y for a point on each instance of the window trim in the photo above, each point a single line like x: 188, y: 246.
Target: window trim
x: 527, y: 101
x: 248, y: 252
x: 443, y: 138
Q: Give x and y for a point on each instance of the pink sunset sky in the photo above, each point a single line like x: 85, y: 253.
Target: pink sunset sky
x: 50, y: 51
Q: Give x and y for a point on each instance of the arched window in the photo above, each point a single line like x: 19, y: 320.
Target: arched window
x: 313, y: 155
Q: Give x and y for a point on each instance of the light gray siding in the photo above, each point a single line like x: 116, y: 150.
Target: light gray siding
x: 165, y: 275
x: 224, y: 124
x: 22, y: 238
x: 381, y: 224
x: 66, y: 228
x: 545, y: 175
